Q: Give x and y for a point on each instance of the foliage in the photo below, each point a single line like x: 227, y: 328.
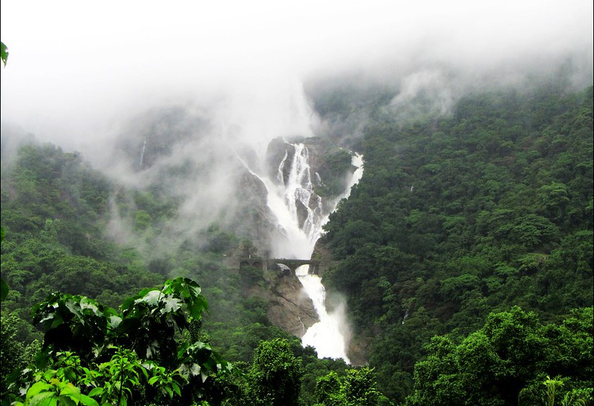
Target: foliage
x: 462, y: 214
x: 576, y: 397
x: 15, y: 352
x: 55, y: 209
x: 4, y: 286
x: 5, y: 289
x: 332, y: 172
x: 357, y: 388
x: 3, y: 53
x: 275, y: 375
x: 44, y: 252
x: 505, y: 360
x: 457, y: 216
x: 135, y: 355
x: 328, y: 390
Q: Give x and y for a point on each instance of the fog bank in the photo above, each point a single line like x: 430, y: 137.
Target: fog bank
x: 104, y: 78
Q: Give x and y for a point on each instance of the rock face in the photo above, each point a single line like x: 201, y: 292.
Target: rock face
x: 289, y: 307
x: 253, y: 218
x: 277, y: 152
x: 153, y: 135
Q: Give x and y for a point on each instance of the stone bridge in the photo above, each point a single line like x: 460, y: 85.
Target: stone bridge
x: 292, y: 264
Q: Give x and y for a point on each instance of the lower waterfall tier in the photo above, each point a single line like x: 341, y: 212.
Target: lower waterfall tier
x: 329, y: 336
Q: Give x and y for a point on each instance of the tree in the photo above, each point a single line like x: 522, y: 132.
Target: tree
x: 504, y: 362
x: 357, y: 388
x: 549, y: 392
x: 275, y: 376
x: 327, y: 390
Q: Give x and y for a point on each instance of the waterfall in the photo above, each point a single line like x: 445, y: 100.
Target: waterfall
x: 328, y: 336
x: 142, y: 153
x: 289, y: 200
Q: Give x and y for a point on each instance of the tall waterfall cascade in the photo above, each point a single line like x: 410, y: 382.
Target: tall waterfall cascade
x: 300, y: 216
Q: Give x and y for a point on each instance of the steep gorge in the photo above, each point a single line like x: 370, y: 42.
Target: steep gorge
x: 298, y: 214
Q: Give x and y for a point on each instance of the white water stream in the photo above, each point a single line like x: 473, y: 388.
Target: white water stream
x: 330, y: 335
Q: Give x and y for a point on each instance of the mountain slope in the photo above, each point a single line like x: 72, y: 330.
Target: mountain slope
x: 460, y: 215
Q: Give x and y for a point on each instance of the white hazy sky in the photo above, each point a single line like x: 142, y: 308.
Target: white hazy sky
x: 76, y: 65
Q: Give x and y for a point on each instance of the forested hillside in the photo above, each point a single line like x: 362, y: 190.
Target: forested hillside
x: 461, y: 215
x: 465, y: 253
x: 61, y: 221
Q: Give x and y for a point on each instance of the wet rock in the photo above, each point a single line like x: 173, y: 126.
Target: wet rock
x: 290, y: 308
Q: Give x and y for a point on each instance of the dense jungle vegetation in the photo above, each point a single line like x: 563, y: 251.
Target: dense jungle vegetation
x: 465, y: 253
x: 55, y: 215
x: 461, y: 216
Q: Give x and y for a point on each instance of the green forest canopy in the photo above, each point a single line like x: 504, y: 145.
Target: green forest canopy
x: 457, y: 221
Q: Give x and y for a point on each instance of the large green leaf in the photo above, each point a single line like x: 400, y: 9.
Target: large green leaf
x: 171, y: 304
x: 37, y: 388
x: 88, y: 401
x: 151, y: 298
x: 189, y: 291
x: 73, y: 323
x: 96, y: 392
x: 44, y: 399
x: 70, y: 390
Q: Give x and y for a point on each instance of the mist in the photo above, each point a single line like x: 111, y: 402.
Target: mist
x: 96, y: 78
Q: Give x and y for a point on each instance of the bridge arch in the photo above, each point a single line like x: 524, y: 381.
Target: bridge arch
x: 293, y: 264
x: 290, y: 263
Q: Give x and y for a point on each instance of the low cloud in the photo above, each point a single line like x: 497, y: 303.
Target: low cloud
x: 93, y: 77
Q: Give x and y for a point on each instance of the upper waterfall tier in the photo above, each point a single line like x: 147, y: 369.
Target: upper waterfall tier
x: 303, y: 189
